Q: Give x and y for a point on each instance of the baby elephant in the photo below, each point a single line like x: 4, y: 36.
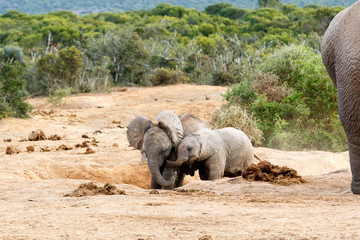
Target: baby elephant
x: 215, y: 152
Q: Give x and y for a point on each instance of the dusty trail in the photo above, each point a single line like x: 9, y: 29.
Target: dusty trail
x: 33, y: 184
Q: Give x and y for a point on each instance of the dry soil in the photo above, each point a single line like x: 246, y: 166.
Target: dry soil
x: 85, y: 141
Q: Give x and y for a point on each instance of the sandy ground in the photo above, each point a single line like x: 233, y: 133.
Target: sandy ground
x: 33, y: 184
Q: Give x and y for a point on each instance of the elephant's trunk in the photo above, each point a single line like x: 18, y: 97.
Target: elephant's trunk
x: 155, y: 172
x: 177, y: 163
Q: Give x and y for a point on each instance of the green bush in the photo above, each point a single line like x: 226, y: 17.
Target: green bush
x: 301, y: 69
x: 293, y: 100
x: 12, y: 53
x: 56, y: 98
x: 164, y: 76
x: 239, y: 118
x: 12, y: 91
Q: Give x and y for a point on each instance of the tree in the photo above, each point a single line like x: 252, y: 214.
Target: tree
x: 127, y: 57
x: 269, y: 3
x: 215, y: 9
x: 12, y: 91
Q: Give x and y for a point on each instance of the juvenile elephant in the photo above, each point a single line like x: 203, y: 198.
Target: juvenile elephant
x: 340, y: 52
x: 158, y: 143
x: 215, y: 152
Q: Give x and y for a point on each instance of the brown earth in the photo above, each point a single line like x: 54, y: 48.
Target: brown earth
x: 34, y: 183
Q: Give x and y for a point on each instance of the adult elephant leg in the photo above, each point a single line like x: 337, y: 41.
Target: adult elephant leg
x: 349, y: 111
x: 354, y: 150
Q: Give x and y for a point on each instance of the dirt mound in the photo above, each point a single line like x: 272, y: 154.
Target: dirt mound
x: 37, y: 135
x: 92, y: 189
x: 55, y: 137
x: 206, y: 237
x: 265, y: 171
x: 12, y: 150
x: 64, y: 147
x: 30, y: 148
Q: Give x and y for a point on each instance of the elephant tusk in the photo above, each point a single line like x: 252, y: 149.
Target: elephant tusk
x: 143, y: 157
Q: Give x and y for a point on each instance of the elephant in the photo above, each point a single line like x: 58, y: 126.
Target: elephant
x: 340, y: 51
x: 216, y: 153
x: 158, y: 143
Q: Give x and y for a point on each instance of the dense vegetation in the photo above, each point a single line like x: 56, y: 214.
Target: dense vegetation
x: 95, y: 6
x: 276, y: 45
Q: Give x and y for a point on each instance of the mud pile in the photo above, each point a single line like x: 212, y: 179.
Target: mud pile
x: 37, y: 135
x: 265, y: 171
x: 12, y: 150
x: 92, y: 189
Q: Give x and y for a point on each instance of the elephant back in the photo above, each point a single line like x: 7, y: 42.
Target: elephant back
x: 238, y: 147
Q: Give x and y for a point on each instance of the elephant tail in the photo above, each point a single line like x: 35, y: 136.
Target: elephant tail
x: 257, y: 158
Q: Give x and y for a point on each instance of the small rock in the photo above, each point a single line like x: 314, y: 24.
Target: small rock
x: 97, y: 132
x: 155, y: 99
x: 37, y: 135
x: 12, y: 150
x: 30, y: 149
x: 89, y: 151
x: 115, y: 145
x: 207, y: 97
x: 64, y: 147
x: 206, y: 237
x: 7, y: 140
x: 123, y: 89
x: 84, y: 136
x: 45, y: 149
x: 154, y: 191
x: 55, y: 137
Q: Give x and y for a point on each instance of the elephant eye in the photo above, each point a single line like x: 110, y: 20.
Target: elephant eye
x: 189, y: 149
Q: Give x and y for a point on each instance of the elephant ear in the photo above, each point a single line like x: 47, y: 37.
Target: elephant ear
x: 171, y: 124
x: 136, y: 131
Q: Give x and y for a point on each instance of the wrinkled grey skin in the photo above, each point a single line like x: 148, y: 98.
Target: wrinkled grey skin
x: 191, y: 123
x: 340, y: 52
x: 216, y: 153
x: 159, y: 143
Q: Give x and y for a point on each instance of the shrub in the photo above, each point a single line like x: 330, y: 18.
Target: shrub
x: 293, y: 100
x: 239, y: 118
x: 12, y: 53
x: 299, y: 68
x: 268, y: 84
x: 12, y: 91
x: 56, y: 98
x: 165, y: 76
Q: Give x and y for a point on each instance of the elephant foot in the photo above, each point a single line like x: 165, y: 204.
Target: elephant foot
x: 355, y: 187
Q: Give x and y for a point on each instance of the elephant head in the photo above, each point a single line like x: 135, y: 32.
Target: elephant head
x: 156, y: 142
x: 196, y: 147
x: 189, y: 150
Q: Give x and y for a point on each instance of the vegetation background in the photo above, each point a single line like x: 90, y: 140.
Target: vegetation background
x: 95, y: 6
x: 279, y: 92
